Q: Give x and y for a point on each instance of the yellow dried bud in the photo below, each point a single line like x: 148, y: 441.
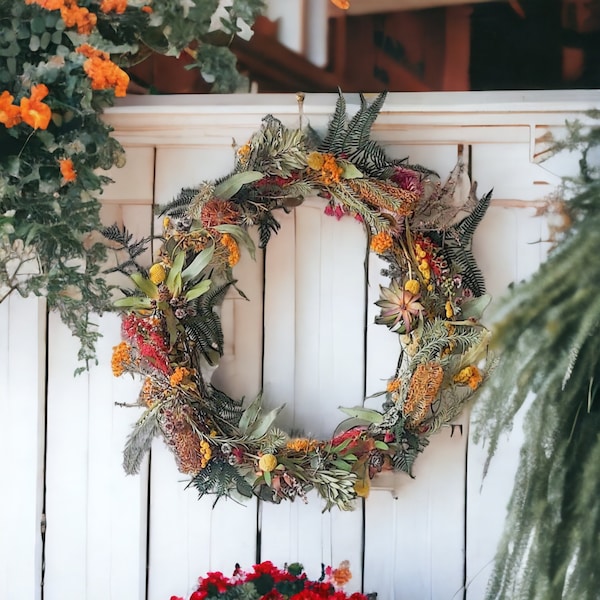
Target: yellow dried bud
x: 412, y: 286
x: 157, y: 273
x: 267, y: 463
x: 315, y: 161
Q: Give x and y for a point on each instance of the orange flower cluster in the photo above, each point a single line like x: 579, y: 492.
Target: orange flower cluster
x: 121, y: 357
x: 302, y: 445
x: 71, y: 13
x: 118, y: 6
x: 31, y: 110
x: 342, y: 575
x: 67, y: 169
x: 422, y: 392
x: 179, y: 375
x: 232, y: 247
x: 326, y: 163
x: 381, y: 242
x: 102, y: 71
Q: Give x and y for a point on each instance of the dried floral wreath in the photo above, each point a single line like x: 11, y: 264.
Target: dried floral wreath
x: 433, y: 302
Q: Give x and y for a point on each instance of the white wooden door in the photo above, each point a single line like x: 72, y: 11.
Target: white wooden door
x: 146, y: 537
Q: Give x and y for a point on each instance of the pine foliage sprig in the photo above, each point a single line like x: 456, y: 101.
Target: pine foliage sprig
x: 548, y: 335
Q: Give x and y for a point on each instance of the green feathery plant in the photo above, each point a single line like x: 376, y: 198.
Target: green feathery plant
x: 60, y: 66
x: 548, y: 341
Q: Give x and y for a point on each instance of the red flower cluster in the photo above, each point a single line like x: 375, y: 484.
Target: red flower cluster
x: 149, y: 340
x: 271, y: 583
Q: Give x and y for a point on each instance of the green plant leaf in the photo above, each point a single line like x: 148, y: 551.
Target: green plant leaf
x: 232, y: 185
x: 350, y: 171
x: 198, y: 290
x: 367, y: 414
x: 145, y: 285
x: 263, y: 423
x: 250, y: 414
x: 198, y: 264
x: 133, y: 302
x: 174, y: 279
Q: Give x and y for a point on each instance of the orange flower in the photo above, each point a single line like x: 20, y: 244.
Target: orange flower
x: 118, y: 6
x: 67, y: 169
x: 381, y: 242
x: 47, y: 4
x: 10, y: 114
x: 343, y: 4
x: 147, y: 9
x: 102, y: 71
x: 76, y: 16
x: 33, y: 111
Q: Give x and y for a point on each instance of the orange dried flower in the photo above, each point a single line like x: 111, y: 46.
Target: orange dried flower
x: 381, y: 242
x: 67, y: 169
x: 393, y: 385
x: 117, y: 6
x: 121, y: 357
x: 342, y: 575
x: 301, y: 445
x: 10, y: 114
x: 423, y: 389
x: 179, y: 375
x: 343, y: 4
x: 232, y: 247
x: 470, y: 376
x: 147, y: 9
x: 33, y: 111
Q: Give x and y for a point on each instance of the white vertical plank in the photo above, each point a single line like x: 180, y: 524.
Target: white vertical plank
x: 187, y: 536
x: 314, y: 362
x: 95, y: 543
x: 22, y: 399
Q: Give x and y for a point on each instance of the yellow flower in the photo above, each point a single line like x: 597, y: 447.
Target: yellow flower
x: 267, y: 463
x: 315, y: 161
x: 412, y: 286
x: 449, y: 310
x: 470, y: 376
x: 362, y: 487
x: 157, y: 273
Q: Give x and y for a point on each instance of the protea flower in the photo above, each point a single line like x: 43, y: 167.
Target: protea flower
x: 398, y: 307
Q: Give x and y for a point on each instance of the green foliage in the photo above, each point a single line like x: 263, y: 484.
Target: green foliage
x: 49, y: 242
x: 547, y: 338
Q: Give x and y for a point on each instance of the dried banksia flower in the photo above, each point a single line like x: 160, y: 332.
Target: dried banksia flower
x: 422, y: 391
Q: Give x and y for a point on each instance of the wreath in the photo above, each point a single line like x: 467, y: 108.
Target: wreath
x: 434, y: 300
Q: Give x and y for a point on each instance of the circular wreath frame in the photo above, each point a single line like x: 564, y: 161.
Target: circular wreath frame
x: 172, y: 330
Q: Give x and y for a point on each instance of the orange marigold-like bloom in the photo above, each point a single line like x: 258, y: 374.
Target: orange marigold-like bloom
x: 118, y: 6
x: 76, y: 16
x: 102, y: 71
x: 47, y: 4
x: 147, y: 9
x: 301, y: 445
x: 343, y: 4
x: 10, y: 114
x: 67, y: 169
x: 381, y: 242
x: 393, y: 385
x: 33, y: 111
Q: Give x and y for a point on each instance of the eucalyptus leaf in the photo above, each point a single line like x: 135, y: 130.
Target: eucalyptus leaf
x: 233, y: 184
x: 198, y: 290
x: 199, y: 263
x: 174, y: 279
x: 250, y: 414
x: 145, y: 285
x: 133, y: 302
x: 263, y: 423
x: 366, y: 414
x: 350, y: 171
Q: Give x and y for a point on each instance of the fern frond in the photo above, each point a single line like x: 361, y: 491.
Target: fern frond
x: 337, y: 127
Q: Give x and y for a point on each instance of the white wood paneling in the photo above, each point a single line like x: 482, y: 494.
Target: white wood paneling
x: 314, y: 363
x: 410, y: 533
x: 187, y: 536
x: 22, y: 388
